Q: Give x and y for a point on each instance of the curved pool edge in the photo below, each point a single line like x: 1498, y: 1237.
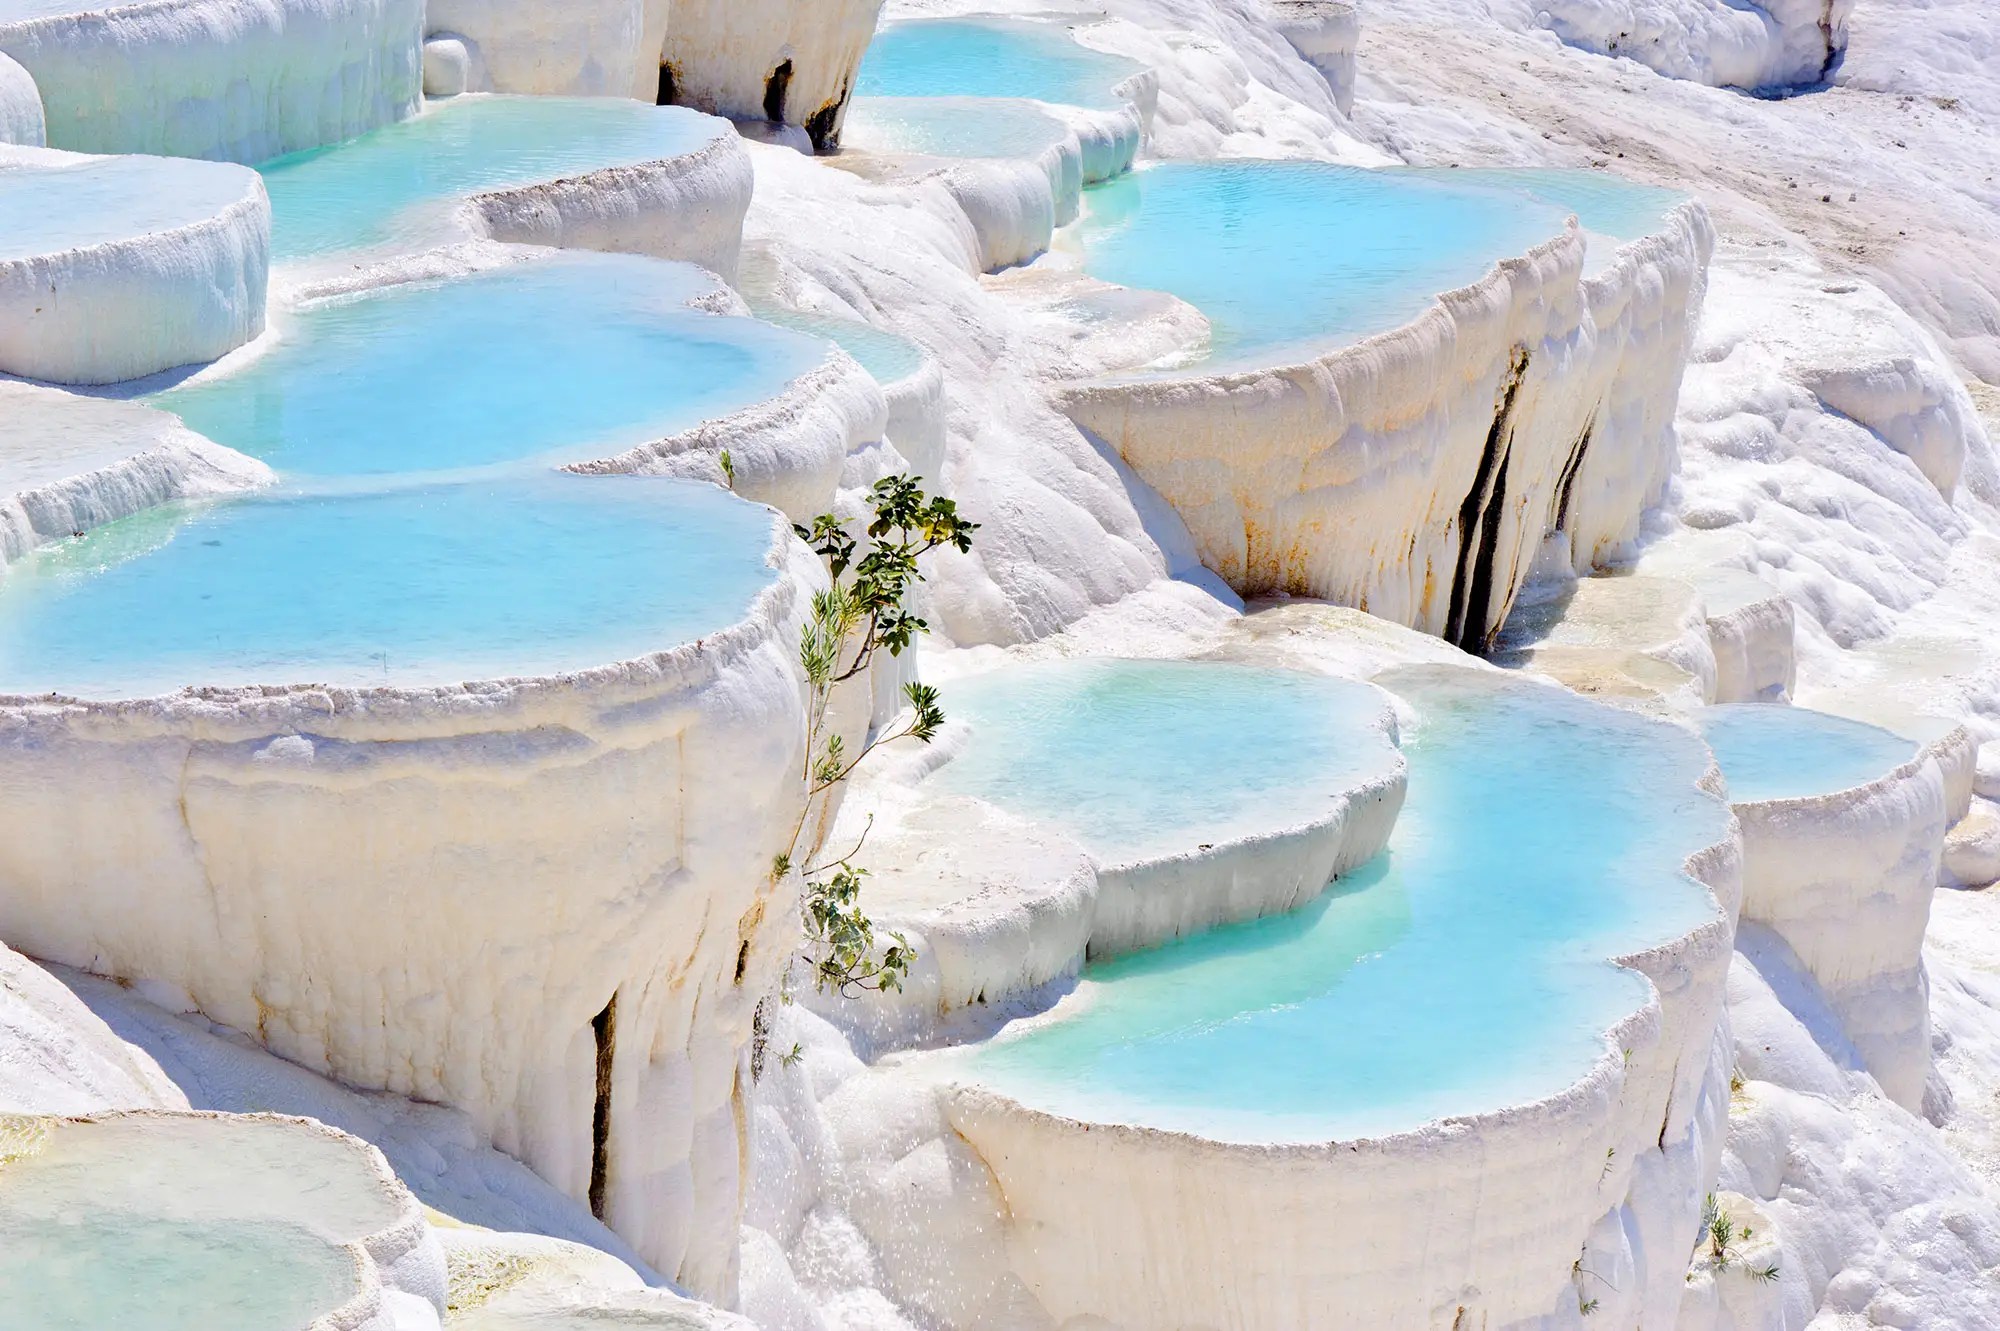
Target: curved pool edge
x: 788, y: 451
x: 688, y: 207
x: 1174, y: 1222
x: 137, y: 305
x: 587, y: 836
x: 1846, y: 878
x: 1344, y: 476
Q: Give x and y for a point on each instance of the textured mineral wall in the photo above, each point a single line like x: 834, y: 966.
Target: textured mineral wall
x: 1326, y: 33
x: 1755, y: 45
x: 241, y: 80
x: 1846, y: 880
x: 580, y: 48
x: 771, y: 60
x: 1415, y: 474
x: 20, y: 106
x: 135, y: 306
x: 545, y: 902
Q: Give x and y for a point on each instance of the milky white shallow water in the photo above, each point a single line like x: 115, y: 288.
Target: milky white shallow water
x: 48, y: 209
x: 195, y: 1225
x: 1463, y: 971
x: 1774, y: 752
x: 1142, y: 759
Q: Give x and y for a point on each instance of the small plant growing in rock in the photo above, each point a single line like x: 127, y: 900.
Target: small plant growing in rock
x: 864, y: 612
x: 1724, y: 1241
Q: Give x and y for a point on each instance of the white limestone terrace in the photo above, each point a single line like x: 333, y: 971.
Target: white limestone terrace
x: 1418, y: 471
x: 1731, y: 634
x: 1173, y: 1142
x: 167, y: 1222
x: 1017, y: 116
x: 240, y: 80
x: 1326, y: 33
x: 1763, y: 45
x: 580, y: 173
x: 117, y: 267
x: 1093, y: 807
x: 70, y: 464
x: 1843, y: 833
x: 602, y: 362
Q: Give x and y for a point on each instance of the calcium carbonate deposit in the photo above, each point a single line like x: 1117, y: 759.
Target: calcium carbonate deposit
x: 999, y: 665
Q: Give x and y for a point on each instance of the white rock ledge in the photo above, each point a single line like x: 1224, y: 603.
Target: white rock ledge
x: 789, y: 452
x: 240, y: 80
x: 20, y: 106
x: 1327, y: 33
x: 69, y: 464
x: 689, y: 207
x: 1470, y: 1221
x: 1345, y: 477
x: 143, y: 302
x: 586, y: 872
x: 1846, y: 880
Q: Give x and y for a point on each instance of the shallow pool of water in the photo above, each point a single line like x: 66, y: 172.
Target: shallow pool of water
x: 1605, y: 205
x: 399, y: 185
x: 1463, y: 971
x: 574, y: 357
x: 889, y: 357
x: 990, y: 57
x: 536, y: 573
x: 48, y: 209
x: 1139, y: 760
x: 980, y: 127
x: 183, y: 1225
x: 1770, y: 751
x: 1283, y: 254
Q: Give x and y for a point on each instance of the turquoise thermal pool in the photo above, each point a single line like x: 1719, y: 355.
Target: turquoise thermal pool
x: 184, y: 1224
x: 1278, y: 253
x: 576, y: 356
x: 46, y: 208
x: 990, y: 57
x: 1463, y: 971
x: 1768, y: 751
x: 400, y: 184
x: 1139, y: 760
x: 537, y: 573
x: 1604, y: 204
x: 951, y: 127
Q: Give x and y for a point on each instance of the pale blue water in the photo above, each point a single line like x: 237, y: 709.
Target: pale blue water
x: 1142, y: 759
x: 951, y: 127
x: 1605, y: 204
x: 1279, y: 253
x: 182, y: 1224
x: 399, y: 184
x: 579, y: 356
x: 45, y: 210
x: 532, y: 573
x: 888, y: 357
x: 1463, y: 971
x: 13, y: 11
x: 990, y: 57
x: 1768, y: 751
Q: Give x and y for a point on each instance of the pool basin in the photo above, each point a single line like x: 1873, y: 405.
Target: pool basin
x: 159, y: 262
x: 489, y: 165
x: 991, y: 57
x: 570, y: 358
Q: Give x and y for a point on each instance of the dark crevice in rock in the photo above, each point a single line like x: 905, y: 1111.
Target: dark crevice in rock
x: 604, y: 1026
x: 1479, y: 520
x: 822, y: 126
x: 1566, y: 483
x: 776, y: 89
x: 669, y: 86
